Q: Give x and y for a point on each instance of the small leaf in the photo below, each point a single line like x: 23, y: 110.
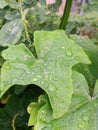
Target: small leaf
x: 11, y: 32
x: 33, y: 109
x: 13, y: 4
x: 2, y: 4
x: 33, y: 114
x: 51, y: 71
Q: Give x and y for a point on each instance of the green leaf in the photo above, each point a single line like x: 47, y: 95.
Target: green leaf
x: 2, y: 4
x: 51, y: 71
x: 13, y: 4
x: 90, y: 71
x: 33, y: 109
x: 11, y: 32
x: 82, y: 114
x: 11, y: 15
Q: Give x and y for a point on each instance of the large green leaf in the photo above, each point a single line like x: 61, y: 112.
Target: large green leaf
x: 51, y: 71
x: 11, y: 32
x: 82, y: 115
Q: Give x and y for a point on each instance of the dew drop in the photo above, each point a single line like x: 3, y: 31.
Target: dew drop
x: 63, y: 47
x: 43, y: 112
x: 14, y: 81
x: 26, y: 57
x: 58, y: 56
x: 45, y: 64
x: 81, y: 125
x: 38, y: 76
x: 52, y: 88
x: 12, y: 76
x: 50, y: 67
x: 32, y: 73
x: 7, y: 67
x: 29, y: 72
x: 9, y: 29
x: 55, y: 78
x: 34, y: 79
x: 69, y: 52
x: 85, y: 118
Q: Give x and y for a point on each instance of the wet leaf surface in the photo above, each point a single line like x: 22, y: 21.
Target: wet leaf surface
x: 52, y: 70
x: 82, y: 114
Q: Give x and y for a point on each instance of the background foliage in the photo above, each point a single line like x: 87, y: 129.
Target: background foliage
x: 34, y: 89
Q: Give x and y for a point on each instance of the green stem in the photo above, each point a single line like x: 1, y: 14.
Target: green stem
x: 66, y: 14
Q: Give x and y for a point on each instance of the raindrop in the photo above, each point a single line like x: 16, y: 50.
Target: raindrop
x: 29, y: 72
x: 52, y: 88
x: 12, y: 76
x: 55, y: 78
x: 63, y: 47
x: 9, y: 30
x: 69, y: 52
x: 85, y: 118
x: 26, y: 57
x: 43, y: 112
x: 39, y: 76
x: 81, y: 125
x: 45, y: 64
x: 34, y: 79
x: 50, y: 78
x: 32, y: 73
x: 58, y: 56
x: 50, y: 67
x: 14, y: 81
x: 7, y: 67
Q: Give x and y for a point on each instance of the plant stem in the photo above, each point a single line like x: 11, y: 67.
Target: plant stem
x: 24, y: 21
x: 20, y: 8
x: 66, y: 14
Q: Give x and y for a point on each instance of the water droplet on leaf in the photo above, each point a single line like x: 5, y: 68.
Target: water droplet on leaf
x: 52, y: 88
x: 69, y: 52
x: 85, y: 118
x: 7, y: 67
x: 12, y: 76
x: 34, y: 79
x: 63, y: 47
x: 55, y: 78
x: 38, y: 76
x: 81, y: 125
x: 43, y: 112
